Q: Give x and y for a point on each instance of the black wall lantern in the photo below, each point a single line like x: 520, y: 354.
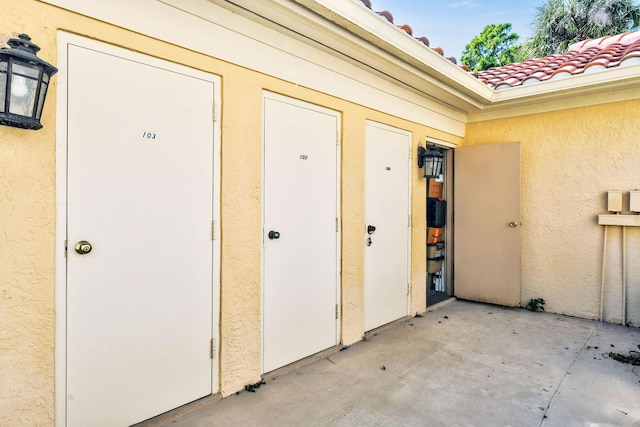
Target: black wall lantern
x: 24, y: 80
x: 430, y: 159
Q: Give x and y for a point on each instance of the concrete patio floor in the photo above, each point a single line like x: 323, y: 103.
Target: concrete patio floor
x: 460, y: 364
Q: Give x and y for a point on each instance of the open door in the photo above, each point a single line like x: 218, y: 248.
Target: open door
x: 487, y: 223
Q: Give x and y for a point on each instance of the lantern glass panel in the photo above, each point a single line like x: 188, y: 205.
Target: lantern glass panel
x: 3, y: 85
x: 43, y: 93
x: 438, y: 166
x: 429, y: 166
x: 24, y: 84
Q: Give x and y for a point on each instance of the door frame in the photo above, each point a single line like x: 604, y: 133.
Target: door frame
x: 449, y: 229
x: 409, y: 202
x: 64, y: 40
x: 338, y: 292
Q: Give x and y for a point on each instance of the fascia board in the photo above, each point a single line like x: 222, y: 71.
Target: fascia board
x: 561, y: 96
x: 371, y: 40
x: 559, y: 93
x: 313, y: 29
x: 573, y: 86
x: 547, y: 106
x: 359, y: 20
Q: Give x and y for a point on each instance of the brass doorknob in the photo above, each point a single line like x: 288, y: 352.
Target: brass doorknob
x: 83, y: 247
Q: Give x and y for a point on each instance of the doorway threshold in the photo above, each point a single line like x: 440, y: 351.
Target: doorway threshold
x: 181, y: 411
x: 435, y: 297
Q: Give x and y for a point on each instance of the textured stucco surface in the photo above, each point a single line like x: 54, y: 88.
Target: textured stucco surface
x: 27, y: 209
x: 27, y: 217
x: 570, y: 159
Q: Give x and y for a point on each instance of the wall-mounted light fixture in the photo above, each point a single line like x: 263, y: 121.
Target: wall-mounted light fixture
x: 430, y: 159
x: 24, y: 80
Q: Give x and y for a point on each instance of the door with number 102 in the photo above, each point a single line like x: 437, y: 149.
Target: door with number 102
x: 300, y: 270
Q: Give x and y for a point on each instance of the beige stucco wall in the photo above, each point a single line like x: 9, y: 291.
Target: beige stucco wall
x: 27, y: 223
x: 28, y: 200
x: 570, y: 159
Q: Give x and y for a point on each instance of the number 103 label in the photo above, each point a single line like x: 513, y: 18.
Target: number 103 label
x: 148, y: 135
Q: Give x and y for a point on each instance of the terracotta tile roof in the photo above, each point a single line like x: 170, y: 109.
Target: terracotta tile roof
x: 407, y: 29
x: 589, y: 56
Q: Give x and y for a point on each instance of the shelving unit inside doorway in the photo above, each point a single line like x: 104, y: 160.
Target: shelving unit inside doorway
x: 439, y: 284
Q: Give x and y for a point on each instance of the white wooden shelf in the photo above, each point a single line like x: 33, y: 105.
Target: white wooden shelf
x: 622, y: 220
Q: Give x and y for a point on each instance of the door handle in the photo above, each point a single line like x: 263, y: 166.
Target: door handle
x: 370, y: 229
x: 513, y: 224
x: 83, y: 247
x: 273, y: 235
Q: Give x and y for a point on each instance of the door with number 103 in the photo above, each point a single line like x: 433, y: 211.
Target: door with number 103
x: 141, y: 282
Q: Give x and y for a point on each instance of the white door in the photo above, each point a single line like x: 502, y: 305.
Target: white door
x: 140, y: 192
x: 387, y: 225
x: 487, y: 223
x: 300, y: 288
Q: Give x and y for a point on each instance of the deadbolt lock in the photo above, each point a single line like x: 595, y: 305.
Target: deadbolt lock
x: 83, y: 247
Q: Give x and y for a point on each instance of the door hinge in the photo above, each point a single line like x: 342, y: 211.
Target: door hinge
x: 337, y: 311
x: 409, y: 224
x: 214, y: 117
x: 264, y: 233
x: 408, y: 288
x: 337, y: 224
x: 65, y: 248
x: 337, y: 138
x: 213, y: 348
x: 213, y: 230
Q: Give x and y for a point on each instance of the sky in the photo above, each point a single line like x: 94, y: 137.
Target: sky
x: 451, y: 24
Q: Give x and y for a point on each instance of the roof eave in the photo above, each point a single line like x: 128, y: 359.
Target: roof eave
x: 356, y: 18
x: 610, y: 85
x: 351, y: 30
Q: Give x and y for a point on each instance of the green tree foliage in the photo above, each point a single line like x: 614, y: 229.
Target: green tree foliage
x: 560, y: 23
x: 495, y: 46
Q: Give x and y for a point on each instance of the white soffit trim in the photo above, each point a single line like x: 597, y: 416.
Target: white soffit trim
x: 204, y: 27
x: 319, y: 26
x: 586, y: 83
x: 607, y: 86
x: 292, y: 20
x: 295, y: 20
x: 358, y: 19
x: 483, y: 101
